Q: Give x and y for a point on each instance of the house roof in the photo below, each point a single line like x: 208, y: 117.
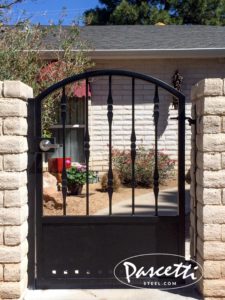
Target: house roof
x: 129, y: 41
x: 154, y: 37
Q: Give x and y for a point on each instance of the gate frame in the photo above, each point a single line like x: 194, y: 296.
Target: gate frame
x: 34, y: 110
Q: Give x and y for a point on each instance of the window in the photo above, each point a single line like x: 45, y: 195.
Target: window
x: 75, y: 126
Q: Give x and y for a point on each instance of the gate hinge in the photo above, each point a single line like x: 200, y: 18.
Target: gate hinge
x: 190, y: 120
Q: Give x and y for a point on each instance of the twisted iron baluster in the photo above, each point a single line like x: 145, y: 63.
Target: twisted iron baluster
x: 133, y: 147
x: 87, y: 150
x: 110, y: 118
x: 64, y: 175
x: 156, y: 171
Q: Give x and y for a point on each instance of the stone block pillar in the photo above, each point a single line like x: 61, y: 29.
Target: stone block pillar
x: 208, y: 185
x: 13, y: 189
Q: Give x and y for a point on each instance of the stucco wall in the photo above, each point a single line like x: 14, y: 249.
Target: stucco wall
x: 192, y: 70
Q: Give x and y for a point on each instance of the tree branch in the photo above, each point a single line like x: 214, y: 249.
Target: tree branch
x: 10, y: 4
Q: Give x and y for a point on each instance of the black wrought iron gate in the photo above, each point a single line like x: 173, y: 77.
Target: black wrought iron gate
x: 81, y: 251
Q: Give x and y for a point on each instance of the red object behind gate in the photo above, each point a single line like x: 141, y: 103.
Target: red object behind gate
x: 55, y: 165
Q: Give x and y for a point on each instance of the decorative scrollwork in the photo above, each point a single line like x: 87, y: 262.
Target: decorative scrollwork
x: 177, y: 81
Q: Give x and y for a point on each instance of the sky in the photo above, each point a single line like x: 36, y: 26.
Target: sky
x: 50, y: 11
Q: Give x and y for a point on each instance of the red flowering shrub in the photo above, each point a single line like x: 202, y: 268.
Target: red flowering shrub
x: 144, y: 166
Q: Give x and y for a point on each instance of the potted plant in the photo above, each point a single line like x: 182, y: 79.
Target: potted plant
x: 76, y: 178
x: 93, y: 177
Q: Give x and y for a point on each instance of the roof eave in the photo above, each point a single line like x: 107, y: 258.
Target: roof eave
x: 157, y: 53
x: 102, y: 54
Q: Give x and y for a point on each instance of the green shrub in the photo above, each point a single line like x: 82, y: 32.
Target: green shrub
x: 116, y: 182
x: 144, y: 166
x: 21, y: 59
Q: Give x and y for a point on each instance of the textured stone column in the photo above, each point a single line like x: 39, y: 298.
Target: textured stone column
x: 13, y: 189
x: 208, y: 186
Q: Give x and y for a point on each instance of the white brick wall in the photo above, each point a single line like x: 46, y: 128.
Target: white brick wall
x: 192, y: 70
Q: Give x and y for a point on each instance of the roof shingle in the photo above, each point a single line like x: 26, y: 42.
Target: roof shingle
x: 148, y: 37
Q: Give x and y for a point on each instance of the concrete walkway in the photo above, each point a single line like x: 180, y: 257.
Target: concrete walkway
x: 145, y: 204
x: 114, y: 294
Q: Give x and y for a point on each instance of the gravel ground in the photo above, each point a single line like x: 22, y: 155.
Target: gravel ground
x: 76, y: 205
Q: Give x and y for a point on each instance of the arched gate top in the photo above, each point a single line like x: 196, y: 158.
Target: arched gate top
x: 98, y: 73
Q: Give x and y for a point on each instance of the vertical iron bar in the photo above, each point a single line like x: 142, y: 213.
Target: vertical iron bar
x: 39, y: 192
x: 31, y: 187
x: 156, y: 171
x: 110, y: 118
x: 181, y: 173
x: 195, y: 184
x: 87, y: 149
x: 64, y: 175
x: 133, y: 146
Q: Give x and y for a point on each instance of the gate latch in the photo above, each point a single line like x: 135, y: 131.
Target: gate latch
x: 190, y: 120
x: 48, y: 144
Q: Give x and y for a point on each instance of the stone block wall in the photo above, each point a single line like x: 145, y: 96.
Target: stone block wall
x: 13, y: 189
x: 208, y: 185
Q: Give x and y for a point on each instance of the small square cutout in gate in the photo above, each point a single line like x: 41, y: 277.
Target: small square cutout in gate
x: 65, y: 272
x: 76, y: 271
x: 54, y: 272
